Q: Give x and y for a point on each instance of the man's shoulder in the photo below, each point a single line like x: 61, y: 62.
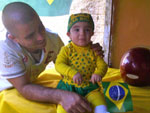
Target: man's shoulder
x: 51, y: 34
x: 3, y: 44
x: 7, y: 45
x: 54, y: 38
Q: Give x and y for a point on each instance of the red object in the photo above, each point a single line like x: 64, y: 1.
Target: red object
x: 135, y: 66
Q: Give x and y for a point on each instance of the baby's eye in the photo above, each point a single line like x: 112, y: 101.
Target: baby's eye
x: 76, y: 30
x: 87, y: 30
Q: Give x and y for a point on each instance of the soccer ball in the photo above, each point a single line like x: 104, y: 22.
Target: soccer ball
x: 135, y: 66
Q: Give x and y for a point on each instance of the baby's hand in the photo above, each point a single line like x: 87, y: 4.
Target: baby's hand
x: 95, y: 78
x: 77, y: 78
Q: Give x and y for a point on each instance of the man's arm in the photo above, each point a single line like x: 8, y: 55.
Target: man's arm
x: 72, y: 103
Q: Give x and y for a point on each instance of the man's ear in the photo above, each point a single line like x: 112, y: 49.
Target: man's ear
x: 11, y: 37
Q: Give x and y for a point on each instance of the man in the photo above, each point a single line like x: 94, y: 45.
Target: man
x: 26, y: 51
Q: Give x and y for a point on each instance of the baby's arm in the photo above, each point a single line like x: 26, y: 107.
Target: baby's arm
x: 96, y: 78
x: 62, y: 63
x: 100, y: 70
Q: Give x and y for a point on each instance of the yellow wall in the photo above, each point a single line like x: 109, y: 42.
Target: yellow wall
x: 131, y: 27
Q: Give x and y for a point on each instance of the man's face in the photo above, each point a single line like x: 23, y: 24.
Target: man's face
x: 31, y: 35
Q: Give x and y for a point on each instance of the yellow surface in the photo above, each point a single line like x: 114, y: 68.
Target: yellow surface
x: 12, y: 102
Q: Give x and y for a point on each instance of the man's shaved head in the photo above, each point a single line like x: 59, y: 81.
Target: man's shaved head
x: 17, y: 13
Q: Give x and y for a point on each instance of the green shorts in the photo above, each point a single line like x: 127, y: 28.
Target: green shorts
x: 81, y: 91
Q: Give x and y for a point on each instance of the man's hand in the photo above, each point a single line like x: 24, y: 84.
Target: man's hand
x: 74, y: 103
x: 77, y: 78
x: 95, y: 78
x: 98, y: 49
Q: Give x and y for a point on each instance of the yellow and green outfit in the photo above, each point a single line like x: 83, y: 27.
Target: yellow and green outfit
x: 73, y: 59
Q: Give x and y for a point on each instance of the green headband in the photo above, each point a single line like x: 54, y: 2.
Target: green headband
x: 80, y: 17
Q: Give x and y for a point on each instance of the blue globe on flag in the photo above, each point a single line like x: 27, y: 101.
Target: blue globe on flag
x: 116, y: 92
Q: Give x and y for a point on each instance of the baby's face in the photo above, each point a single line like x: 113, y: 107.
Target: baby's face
x: 81, y: 33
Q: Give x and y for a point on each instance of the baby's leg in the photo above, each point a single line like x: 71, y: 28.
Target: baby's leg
x: 98, y: 101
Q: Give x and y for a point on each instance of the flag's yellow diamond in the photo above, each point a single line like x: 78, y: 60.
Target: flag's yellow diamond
x: 114, y: 90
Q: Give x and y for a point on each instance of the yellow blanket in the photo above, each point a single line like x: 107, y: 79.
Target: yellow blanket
x: 12, y: 102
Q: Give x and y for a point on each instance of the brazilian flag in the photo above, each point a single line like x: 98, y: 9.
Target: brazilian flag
x: 117, y: 96
x: 45, y: 7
